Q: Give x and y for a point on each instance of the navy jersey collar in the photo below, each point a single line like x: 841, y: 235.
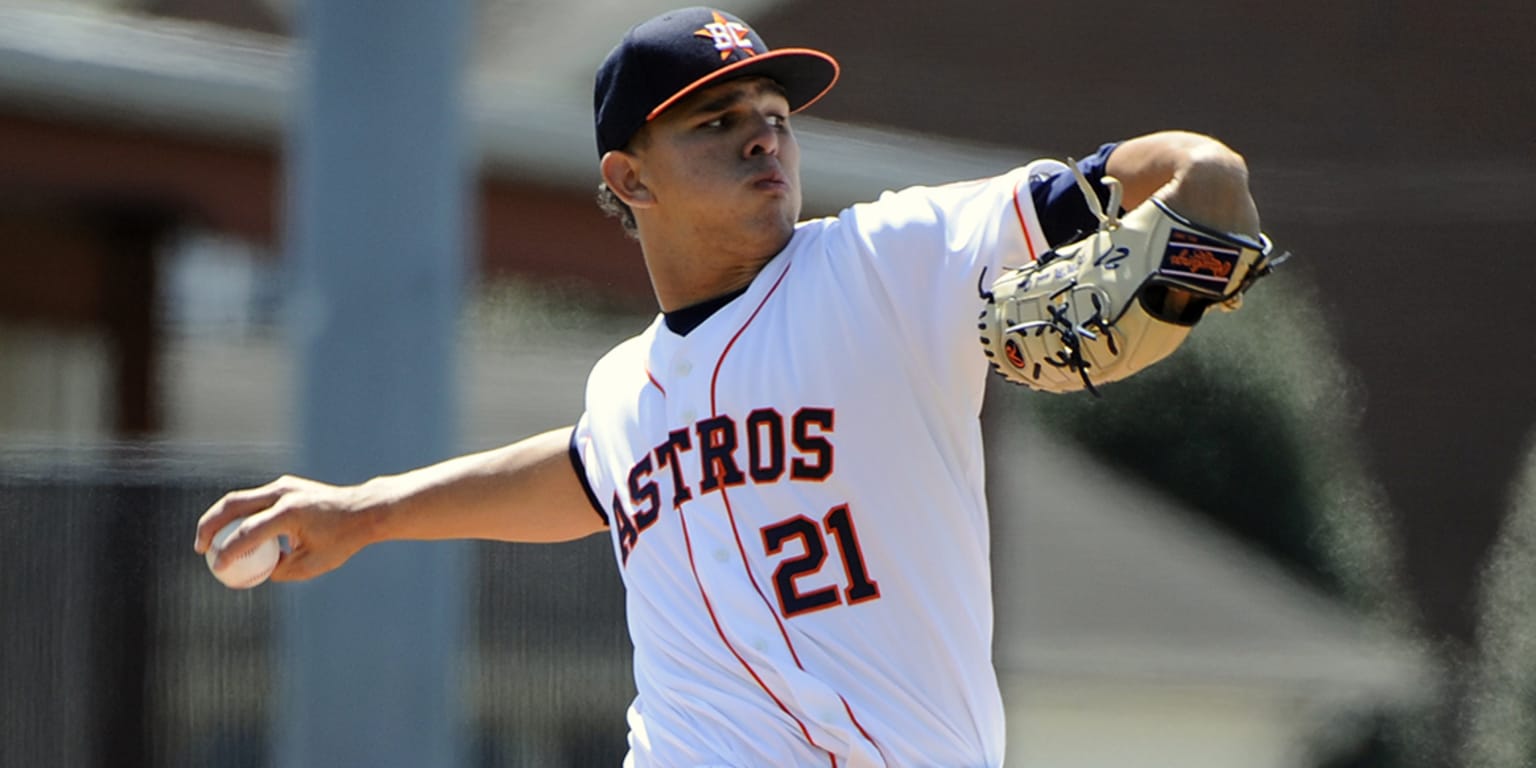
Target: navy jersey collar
x: 681, y: 321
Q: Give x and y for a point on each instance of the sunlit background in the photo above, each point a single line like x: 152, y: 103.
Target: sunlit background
x: 1306, y: 541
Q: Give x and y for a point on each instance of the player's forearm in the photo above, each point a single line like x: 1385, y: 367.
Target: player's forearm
x: 1196, y: 175
x: 526, y: 491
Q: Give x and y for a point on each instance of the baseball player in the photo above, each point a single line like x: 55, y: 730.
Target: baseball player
x: 788, y: 460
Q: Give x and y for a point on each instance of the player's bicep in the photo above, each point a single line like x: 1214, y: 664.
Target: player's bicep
x: 550, y: 503
x: 572, y: 512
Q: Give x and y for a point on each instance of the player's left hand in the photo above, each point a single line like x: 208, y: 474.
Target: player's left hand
x: 1118, y: 300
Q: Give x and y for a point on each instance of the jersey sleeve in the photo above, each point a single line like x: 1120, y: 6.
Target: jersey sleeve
x: 580, y: 453
x: 926, y: 257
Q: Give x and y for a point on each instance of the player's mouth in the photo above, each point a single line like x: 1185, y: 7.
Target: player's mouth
x: 771, y: 181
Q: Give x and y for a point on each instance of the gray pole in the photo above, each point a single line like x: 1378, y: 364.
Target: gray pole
x: 377, y: 231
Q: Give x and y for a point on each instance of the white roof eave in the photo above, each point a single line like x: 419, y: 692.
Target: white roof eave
x: 197, y: 79
x: 174, y: 75
x: 1106, y: 577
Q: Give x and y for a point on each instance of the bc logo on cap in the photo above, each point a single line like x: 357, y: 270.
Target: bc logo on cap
x: 729, y: 36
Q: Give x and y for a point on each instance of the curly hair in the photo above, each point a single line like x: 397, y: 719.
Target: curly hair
x: 618, y: 209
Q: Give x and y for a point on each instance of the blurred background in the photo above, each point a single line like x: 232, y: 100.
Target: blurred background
x: 1307, y: 541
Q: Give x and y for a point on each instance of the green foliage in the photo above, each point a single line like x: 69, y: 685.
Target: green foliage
x: 1253, y: 423
x: 553, y: 313
x: 1501, y: 720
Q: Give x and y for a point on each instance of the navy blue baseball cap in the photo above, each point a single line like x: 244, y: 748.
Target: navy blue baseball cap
x: 661, y: 61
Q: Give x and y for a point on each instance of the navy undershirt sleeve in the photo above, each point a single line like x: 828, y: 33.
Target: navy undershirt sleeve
x: 1064, y: 215
x: 581, y: 473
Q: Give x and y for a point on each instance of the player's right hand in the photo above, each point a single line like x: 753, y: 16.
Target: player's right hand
x: 324, y: 524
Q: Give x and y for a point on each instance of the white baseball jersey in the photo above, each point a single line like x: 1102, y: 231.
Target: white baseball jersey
x: 795, y: 494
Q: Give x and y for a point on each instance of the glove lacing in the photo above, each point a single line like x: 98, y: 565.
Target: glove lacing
x: 1070, y: 356
x: 1071, y: 334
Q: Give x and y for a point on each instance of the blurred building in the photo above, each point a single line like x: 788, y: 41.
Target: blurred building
x: 141, y: 278
x: 1130, y: 633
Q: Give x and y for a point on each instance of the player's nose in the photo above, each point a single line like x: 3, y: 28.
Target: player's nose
x: 765, y: 137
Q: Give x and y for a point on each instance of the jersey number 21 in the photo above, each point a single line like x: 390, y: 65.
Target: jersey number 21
x: 838, y: 526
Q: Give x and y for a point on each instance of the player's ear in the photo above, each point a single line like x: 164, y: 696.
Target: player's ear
x: 621, y: 172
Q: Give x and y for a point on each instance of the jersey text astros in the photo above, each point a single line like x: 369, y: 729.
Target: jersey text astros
x: 764, y: 447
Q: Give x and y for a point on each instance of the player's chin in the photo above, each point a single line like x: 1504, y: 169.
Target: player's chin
x: 782, y: 219
x: 784, y: 204
x: 764, y: 213
x: 767, y: 232
x: 767, y: 205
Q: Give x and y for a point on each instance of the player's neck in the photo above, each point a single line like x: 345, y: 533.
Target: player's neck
x: 683, y: 276
x: 685, y: 288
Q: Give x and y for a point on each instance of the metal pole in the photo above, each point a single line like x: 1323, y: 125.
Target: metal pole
x: 377, y: 231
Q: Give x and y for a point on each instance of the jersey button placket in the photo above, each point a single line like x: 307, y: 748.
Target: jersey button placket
x: 681, y: 367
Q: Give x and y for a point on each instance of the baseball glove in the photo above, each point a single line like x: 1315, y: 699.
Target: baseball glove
x: 1108, y: 305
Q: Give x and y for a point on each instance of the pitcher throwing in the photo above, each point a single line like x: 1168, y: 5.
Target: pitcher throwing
x: 788, y: 461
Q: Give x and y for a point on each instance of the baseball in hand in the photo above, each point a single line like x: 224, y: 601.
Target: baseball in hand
x: 248, y: 570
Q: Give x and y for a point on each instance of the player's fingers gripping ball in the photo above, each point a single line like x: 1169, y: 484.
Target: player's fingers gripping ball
x: 1104, y: 307
x: 249, y: 569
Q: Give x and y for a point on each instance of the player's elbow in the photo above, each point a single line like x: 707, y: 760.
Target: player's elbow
x: 1210, y: 183
x: 1210, y: 157
x: 1189, y: 151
